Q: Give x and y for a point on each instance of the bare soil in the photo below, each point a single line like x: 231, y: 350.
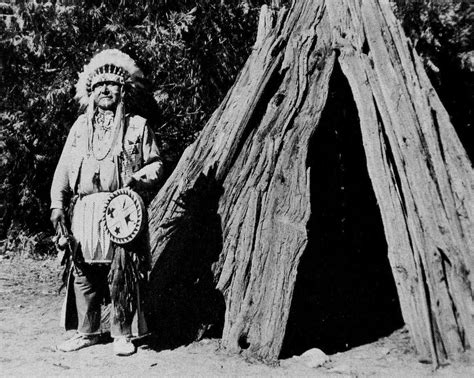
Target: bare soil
x: 29, y: 328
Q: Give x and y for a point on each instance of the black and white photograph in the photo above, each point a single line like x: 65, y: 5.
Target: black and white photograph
x: 237, y: 188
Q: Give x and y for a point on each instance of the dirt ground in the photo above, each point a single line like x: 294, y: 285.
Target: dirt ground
x: 29, y: 313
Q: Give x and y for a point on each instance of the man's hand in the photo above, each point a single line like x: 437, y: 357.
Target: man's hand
x: 58, y: 216
x: 131, y: 183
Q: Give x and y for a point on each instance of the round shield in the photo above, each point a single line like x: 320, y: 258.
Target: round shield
x: 123, y: 215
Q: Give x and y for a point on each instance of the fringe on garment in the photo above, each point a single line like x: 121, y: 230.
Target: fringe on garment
x: 67, y: 256
x: 123, y: 278
x: 127, y: 270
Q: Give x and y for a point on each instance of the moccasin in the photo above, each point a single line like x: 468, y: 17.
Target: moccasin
x: 124, y: 346
x: 78, y: 341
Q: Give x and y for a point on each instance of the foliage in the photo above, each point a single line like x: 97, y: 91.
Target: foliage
x: 189, y: 50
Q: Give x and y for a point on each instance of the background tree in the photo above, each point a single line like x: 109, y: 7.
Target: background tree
x: 191, y: 51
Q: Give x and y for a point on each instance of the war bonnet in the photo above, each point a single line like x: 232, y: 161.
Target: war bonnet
x: 108, y: 65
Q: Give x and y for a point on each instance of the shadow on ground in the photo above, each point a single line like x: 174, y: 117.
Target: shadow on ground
x: 184, y: 305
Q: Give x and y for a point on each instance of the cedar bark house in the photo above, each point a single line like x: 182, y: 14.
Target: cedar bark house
x: 233, y: 220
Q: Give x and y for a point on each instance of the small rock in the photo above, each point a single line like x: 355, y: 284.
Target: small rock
x: 313, y: 358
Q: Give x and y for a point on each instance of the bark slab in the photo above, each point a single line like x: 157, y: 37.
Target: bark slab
x: 255, y: 148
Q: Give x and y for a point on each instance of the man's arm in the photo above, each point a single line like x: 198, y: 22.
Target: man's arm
x: 60, y: 188
x: 152, y: 171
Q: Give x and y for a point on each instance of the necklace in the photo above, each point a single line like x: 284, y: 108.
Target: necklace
x: 103, y: 137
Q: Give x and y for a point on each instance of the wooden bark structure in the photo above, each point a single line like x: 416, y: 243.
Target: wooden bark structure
x: 252, y: 157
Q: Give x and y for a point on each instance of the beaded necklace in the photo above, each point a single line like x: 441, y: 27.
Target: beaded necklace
x: 103, y: 134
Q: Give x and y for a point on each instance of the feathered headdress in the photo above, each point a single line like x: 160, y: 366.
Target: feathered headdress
x: 108, y: 65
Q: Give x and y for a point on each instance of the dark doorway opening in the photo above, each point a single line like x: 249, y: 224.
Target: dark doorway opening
x: 345, y: 293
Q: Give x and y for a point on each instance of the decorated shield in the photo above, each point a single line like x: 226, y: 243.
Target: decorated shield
x: 123, y: 215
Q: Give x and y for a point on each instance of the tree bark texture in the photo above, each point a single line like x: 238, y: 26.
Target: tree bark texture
x: 254, y: 150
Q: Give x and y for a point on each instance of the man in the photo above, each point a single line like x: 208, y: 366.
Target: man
x: 107, y: 148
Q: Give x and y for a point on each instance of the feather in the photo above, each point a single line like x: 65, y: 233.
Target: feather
x: 112, y: 62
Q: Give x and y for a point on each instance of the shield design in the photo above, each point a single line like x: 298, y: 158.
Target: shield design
x: 123, y: 215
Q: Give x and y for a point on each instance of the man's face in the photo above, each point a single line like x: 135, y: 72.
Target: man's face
x: 106, y: 95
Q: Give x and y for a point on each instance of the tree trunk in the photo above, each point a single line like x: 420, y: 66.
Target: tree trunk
x: 249, y: 168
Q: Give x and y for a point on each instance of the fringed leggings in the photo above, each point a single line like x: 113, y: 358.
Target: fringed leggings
x: 91, y: 289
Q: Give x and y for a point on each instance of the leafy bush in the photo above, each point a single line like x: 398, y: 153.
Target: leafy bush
x: 189, y: 50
